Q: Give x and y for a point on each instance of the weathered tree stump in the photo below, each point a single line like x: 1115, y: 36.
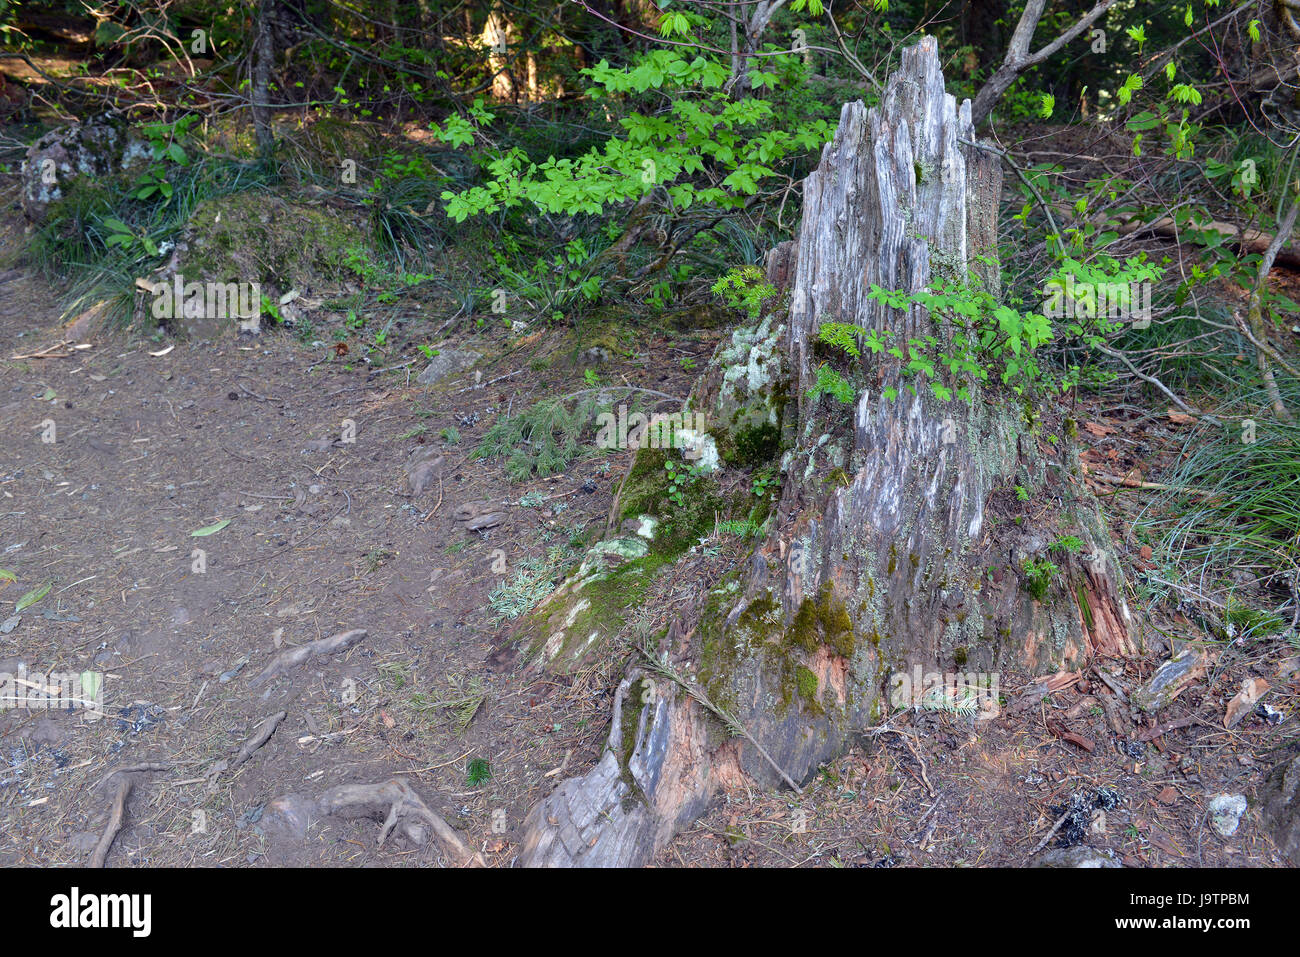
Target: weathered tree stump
x: 895, y: 547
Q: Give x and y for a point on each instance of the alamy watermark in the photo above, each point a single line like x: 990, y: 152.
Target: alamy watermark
x: 206, y: 300
x: 52, y: 691
x: 1068, y: 299
x: 683, y: 431
x: 972, y: 692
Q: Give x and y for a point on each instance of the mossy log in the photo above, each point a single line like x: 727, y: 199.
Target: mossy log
x: 900, y: 541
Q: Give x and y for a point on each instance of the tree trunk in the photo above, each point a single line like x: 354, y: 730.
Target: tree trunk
x: 899, y: 544
x: 263, y: 59
x: 498, y: 35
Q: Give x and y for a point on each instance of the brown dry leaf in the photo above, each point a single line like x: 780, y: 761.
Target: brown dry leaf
x: 389, y: 723
x: 1168, y: 796
x: 1181, y: 418
x: 1145, y: 553
x: 1096, y: 428
x: 1252, y: 689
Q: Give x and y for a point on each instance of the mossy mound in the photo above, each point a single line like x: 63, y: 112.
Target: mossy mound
x: 257, y: 236
x: 591, y: 604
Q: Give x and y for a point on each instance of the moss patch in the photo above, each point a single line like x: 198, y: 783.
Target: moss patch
x: 258, y: 237
x: 823, y: 620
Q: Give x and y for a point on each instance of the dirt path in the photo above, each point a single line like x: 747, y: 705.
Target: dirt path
x: 323, y: 536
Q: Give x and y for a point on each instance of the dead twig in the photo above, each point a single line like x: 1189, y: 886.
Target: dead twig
x: 1043, y: 843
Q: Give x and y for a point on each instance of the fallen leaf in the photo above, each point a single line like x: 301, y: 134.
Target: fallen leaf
x: 1145, y: 553
x: 210, y: 529
x: 33, y: 596
x: 1181, y: 418
x: 1096, y: 428
x: 1168, y: 796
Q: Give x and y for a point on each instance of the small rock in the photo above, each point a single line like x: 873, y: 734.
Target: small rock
x: 10, y: 624
x: 1171, y: 679
x: 463, y: 513
x: 423, y: 472
x: 288, y: 817
x: 1078, y: 856
x: 1225, y: 813
x: 101, y: 146
x: 445, y: 363
x: 481, y: 523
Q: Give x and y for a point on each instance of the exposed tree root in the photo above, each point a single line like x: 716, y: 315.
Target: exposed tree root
x: 125, y: 782
x: 396, y: 804
x: 291, y: 658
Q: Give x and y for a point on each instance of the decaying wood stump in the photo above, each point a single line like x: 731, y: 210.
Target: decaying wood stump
x: 896, y: 547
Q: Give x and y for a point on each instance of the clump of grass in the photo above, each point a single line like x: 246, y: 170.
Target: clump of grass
x: 541, y: 440
x: 463, y: 699
x: 544, y: 438
x: 1251, y: 622
x: 1234, y: 502
x: 1039, y: 573
x: 375, y: 558
x: 743, y: 527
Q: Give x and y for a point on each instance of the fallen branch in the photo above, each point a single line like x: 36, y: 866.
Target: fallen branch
x: 1074, y: 738
x: 1152, y: 380
x: 1249, y: 240
x: 1150, y: 734
x: 1127, y: 482
x: 45, y: 353
x: 907, y: 741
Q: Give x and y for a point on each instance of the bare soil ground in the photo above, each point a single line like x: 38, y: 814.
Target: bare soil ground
x: 325, y: 536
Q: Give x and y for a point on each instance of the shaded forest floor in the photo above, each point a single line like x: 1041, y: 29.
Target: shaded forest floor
x: 326, y: 535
